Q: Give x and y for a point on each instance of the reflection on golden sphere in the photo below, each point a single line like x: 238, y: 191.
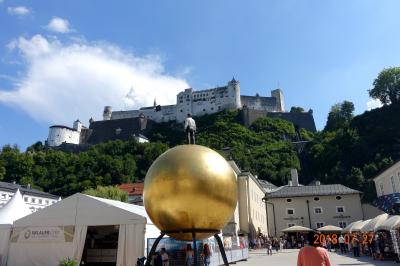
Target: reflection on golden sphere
x: 190, y: 187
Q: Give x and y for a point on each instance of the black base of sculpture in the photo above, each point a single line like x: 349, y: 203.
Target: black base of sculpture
x: 216, y: 236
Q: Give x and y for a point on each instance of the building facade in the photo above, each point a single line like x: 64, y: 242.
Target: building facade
x: 312, y: 206
x: 33, y: 198
x: 388, y: 182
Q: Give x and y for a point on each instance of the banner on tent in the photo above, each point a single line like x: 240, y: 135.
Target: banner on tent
x: 52, y: 234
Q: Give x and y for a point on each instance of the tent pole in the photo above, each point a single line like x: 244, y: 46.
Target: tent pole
x: 153, y: 249
x: 221, y: 249
x: 194, y: 248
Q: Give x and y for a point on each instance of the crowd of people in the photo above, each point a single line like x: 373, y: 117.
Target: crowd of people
x: 378, y: 245
x: 278, y: 243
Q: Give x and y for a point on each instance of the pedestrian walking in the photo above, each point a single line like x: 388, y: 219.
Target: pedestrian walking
x: 190, y: 129
x: 341, y: 244
x: 268, y: 243
x: 164, y: 257
x: 356, y: 246
x: 313, y: 255
x: 206, y: 255
x: 189, y: 255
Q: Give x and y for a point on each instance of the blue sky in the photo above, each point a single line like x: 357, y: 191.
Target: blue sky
x: 63, y: 60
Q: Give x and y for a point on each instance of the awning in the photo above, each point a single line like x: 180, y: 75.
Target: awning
x: 392, y: 223
x: 374, y: 223
x: 350, y: 226
x: 357, y: 227
x: 330, y: 228
x: 389, y: 203
x: 296, y: 228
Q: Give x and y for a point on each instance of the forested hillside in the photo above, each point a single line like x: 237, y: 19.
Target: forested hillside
x: 353, y: 151
x: 264, y: 149
x: 350, y: 150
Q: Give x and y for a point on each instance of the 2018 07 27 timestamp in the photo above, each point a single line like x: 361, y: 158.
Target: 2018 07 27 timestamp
x: 364, y: 238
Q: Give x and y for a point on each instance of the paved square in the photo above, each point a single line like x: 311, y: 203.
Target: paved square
x: 289, y: 257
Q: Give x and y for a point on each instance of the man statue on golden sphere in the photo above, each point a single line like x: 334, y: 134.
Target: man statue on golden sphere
x: 190, y: 191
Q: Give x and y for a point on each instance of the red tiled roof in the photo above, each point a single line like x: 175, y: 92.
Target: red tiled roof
x: 133, y: 189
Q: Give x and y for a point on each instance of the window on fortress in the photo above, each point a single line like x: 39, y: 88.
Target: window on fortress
x: 33, y: 200
x: 290, y: 211
x: 26, y: 199
x: 204, y: 110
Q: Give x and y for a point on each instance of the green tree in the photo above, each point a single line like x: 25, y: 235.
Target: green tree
x: 387, y: 86
x: 339, y: 116
x: 296, y: 109
x: 108, y: 192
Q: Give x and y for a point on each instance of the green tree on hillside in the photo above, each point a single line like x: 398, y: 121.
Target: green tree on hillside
x: 387, y: 86
x: 339, y: 116
x: 108, y: 192
x: 296, y: 109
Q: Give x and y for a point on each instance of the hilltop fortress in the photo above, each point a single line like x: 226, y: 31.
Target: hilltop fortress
x: 136, y: 123
x: 203, y: 102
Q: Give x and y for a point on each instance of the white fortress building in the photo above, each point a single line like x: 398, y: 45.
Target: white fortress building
x: 203, y: 102
x: 196, y: 103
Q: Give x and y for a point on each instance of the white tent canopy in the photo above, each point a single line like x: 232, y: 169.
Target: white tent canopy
x: 350, y: 226
x: 65, y: 225
x: 392, y: 223
x: 357, y: 227
x: 13, y: 210
x: 374, y: 223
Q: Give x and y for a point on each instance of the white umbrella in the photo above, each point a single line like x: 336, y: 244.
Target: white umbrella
x: 330, y: 228
x: 374, y: 223
x: 296, y: 228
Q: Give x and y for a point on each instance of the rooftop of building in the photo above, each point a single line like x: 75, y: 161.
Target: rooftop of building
x: 133, y: 189
x: 268, y: 186
x: 25, y: 190
x: 313, y: 190
x: 61, y: 126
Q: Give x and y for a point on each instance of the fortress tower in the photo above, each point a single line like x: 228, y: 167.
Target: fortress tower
x: 278, y: 94
x: 107, y: 112
x: 234, y: 90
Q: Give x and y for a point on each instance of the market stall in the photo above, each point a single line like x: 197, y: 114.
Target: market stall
x: 296, y: 235
x: 94, y: 230
x: 391, y: 228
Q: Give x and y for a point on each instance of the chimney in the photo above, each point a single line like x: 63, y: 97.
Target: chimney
x: 14, y: 182
x: 28, y: 186
x: 295, y: 177
x: 317, y: 183
x: 290, y: 183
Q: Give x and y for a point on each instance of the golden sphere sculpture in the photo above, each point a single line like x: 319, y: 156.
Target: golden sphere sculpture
x: 190, y: 188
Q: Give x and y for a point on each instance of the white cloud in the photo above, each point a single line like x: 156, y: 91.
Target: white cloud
x: 18, y: 10
x: 373, y: 103
x: 60, y: 25
x: 64, y: 82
